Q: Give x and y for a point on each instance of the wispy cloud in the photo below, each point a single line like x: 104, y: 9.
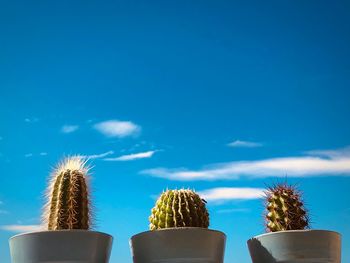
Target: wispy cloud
x: 31, y: 120
x: 315, y: 163
x: 116, y: 128
x: 1, y: 138
x: 134, y: 156
x: 233, y: 210
x: 69, y: 128
x: 223, y: 194
x: 21, y: 228
x: 29, y: 155
x: 244, y: 144
x: 98, y: 156
x: 338, y: 153
x: 3, y: 212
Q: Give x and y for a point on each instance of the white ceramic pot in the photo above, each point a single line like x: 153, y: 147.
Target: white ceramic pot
x: 178, y: 245
x: 63, y: 246
x: 296, y: 246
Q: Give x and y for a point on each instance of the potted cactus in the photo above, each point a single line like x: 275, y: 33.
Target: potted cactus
x: 67, y: 219
x: 179, y: 232
x: 289, y: 239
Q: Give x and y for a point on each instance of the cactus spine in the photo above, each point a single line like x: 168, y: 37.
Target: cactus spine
x: 179, y: 208
x: 68, y: 205
x: 285, y: 209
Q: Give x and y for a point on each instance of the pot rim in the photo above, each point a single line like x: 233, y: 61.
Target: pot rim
x: 62, y: 231
x: 295, y: 231
x: 172, y: 229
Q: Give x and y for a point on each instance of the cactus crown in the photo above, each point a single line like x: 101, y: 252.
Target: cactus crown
x: 179, y: 208
x: 68, y: 205
x: 285, y: 209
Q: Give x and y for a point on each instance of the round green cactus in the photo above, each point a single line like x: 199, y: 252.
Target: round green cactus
x: 285, y: 209
x: 68, y: 204
x: 179, y: 208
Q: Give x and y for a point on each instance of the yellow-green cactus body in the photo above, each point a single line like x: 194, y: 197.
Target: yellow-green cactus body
x: 68, y: 197
x: 285, y: 209
x: 179, y: 208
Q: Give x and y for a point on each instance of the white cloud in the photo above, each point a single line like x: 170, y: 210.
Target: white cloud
x: 43, y: 153
x: 27, y: 155
x: 98, y: 156
x: 130, y: 157
x: 315, y: 163
x: 22, y: 228
x: 116, y: 128
x: 69, y: 128
x: 244, y: 144
x: 223, y: 194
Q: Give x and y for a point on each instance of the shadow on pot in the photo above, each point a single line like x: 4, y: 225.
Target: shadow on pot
x: 258, y: 252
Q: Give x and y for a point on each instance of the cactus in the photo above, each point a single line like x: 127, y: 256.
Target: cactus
x: 179, y: 208
x: 68, y: 205
x: 285, y: 209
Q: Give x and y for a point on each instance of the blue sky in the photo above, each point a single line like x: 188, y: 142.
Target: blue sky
x: 221, y: 96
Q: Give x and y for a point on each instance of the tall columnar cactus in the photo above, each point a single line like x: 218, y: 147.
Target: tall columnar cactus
x: 179, y: 208
x: 68, y: 205
x: 285, y: 209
